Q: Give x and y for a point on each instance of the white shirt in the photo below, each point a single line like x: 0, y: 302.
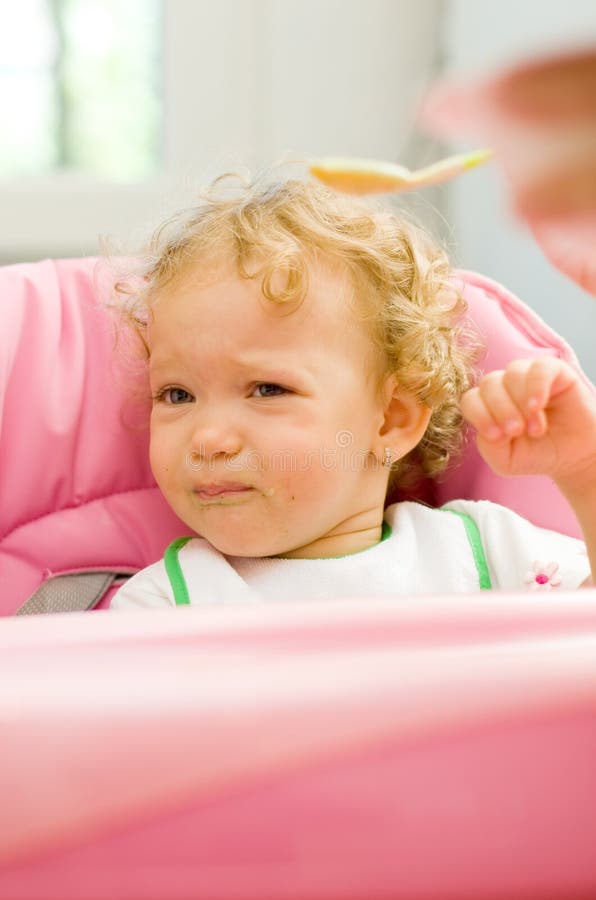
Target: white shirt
x: 428, y: 551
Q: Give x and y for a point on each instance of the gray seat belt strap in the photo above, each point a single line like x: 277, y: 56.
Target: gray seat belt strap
x: 68, y: 593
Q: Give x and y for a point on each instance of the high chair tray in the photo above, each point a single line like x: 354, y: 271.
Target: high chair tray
x: 422, y: 747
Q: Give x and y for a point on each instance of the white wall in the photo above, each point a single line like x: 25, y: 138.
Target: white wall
x: 246, y: 81
x: 480, y: 37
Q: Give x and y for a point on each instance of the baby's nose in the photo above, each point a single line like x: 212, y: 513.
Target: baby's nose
x: 214, y: 435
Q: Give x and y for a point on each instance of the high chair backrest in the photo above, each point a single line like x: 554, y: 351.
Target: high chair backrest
x: 77, y: 491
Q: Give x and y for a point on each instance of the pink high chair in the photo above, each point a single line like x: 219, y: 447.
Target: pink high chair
x: 358, y: 749
x: 77, y: 492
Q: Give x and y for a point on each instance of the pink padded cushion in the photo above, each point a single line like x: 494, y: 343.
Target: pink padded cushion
x: 77, y: 492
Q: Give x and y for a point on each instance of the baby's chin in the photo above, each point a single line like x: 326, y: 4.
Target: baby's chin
x: 257, y: 541
x: 253, y: 546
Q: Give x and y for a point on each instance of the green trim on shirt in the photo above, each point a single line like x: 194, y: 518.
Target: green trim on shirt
x: 180, y: 589
x: 178, y: 581
x: 473, y: 535
x: 174, y: 571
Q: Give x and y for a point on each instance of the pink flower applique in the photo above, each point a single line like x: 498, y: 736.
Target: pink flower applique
x: 542, y: 576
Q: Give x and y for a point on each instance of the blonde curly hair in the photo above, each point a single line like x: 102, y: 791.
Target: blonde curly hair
x: 401, y: 282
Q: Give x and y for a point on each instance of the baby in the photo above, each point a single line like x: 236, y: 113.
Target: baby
x: 307, y: 358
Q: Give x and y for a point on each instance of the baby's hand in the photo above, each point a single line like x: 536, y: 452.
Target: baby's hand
x: 537, y: 416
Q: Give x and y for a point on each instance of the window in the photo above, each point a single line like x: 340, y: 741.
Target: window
x: 80, y: 87
x: 115, y: 112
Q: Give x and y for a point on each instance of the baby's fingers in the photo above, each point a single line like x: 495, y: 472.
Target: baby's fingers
x: 528, y: 384
x: 502, y: 397
x: 514, y: 401
x: 496, y: 406
x: 534, y: 384
x: 475, y: 409
x: 545, y: 378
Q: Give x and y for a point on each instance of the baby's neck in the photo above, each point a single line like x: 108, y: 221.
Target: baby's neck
x: 331, y: 546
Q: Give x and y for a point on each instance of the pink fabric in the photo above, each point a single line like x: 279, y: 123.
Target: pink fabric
x: 379, y: 749
x: 77, y: 492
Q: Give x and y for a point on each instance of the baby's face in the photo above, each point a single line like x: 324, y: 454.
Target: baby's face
x: 264, y: 416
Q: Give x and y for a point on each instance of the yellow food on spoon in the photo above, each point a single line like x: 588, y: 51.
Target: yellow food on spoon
x: 352, y: 175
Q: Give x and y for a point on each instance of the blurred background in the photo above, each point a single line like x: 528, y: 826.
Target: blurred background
x: 115, y: 112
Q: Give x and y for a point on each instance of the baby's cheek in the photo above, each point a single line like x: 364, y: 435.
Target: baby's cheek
x: 162, y: 465
x: 309, y: 476
x: 159, y: 465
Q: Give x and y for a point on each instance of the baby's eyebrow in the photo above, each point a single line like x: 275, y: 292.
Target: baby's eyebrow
x: 261, y: 367
x: 276, y: 370
x: 266, y: 366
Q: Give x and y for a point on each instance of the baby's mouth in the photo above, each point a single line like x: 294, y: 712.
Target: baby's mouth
x: 222, y: 492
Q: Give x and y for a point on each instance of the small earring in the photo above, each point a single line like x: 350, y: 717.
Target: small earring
x: 387, y: 461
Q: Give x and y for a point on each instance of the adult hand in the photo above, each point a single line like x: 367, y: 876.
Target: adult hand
x: 540, y: 117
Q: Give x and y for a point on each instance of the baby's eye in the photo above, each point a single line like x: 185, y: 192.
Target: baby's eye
x: 267, y: 389
x: 173, y: 396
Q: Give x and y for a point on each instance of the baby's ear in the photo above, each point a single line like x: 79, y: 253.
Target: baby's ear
x: 405, y: 418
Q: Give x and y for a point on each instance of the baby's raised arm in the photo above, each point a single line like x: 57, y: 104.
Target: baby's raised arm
x: 538, y: 417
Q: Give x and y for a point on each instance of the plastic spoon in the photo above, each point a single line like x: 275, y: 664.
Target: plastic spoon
x: 352, y: 175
